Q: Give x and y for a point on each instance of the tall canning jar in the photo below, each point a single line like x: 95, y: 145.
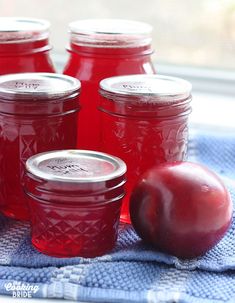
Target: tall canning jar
x: 24, y: 46
x: 101, y: 48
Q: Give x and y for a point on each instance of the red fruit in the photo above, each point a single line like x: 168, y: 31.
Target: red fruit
x: 181, y: 208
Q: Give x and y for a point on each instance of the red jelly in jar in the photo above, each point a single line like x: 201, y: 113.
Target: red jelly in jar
x: 144, y: 122
x: 101, y: 48
x: 24, y: 46
x: 75, y: 200
x: 38, y: 112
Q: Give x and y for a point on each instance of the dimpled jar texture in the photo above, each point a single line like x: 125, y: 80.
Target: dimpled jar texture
x: 100, y: 49
x: 144, y: 129
x: 76, y: 216
x: 24, y: 46
x: 29, y: 125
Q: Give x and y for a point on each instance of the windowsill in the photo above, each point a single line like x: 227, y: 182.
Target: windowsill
x: 213, y: 104
x: 213, y: 111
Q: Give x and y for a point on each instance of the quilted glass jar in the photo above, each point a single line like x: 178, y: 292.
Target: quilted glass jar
x: 74, y: 198
x: 38, y: 112
x: 144, y: 122
x: 101, y: 48
x: 24, y: 46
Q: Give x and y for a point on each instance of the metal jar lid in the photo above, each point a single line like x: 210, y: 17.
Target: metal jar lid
x: 155, y: 87
x: 110, y: 33
x: 31, y: 86
x: 14, y: 30
x: 75, y: 166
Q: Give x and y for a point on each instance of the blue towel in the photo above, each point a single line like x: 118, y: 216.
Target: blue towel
x: 132, y: 272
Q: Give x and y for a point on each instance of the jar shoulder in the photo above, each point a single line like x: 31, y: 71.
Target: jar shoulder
x: 93, y: 68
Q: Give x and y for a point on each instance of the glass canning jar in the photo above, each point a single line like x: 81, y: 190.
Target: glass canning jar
x: 24, y: 46
x: 144, y: 122
x: 38, y: 112
x: 75, y: 199
x: 101, y: 48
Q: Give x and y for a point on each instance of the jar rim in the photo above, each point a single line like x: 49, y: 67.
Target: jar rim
x: 18, y: 29
x: 109, y: 33
x: 40, y: 85
x: 75, y: 166
x: 153, y: 88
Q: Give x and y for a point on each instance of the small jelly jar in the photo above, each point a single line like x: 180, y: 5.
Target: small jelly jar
x: 75, y: 199
x: 101, y: 48
x: 144, y: 122
x: 38, y: 112
x: 24, y: 46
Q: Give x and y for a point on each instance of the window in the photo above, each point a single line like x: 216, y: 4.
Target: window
x: 186, y: 32
x: 193, y: 39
